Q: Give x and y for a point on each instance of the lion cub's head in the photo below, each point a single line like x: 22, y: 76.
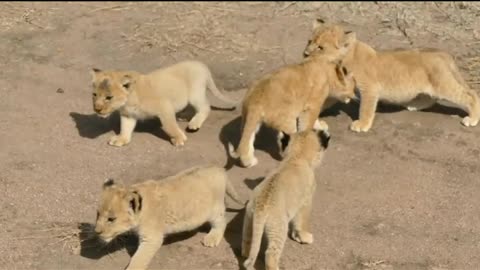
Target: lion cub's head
x: 110, y: 90
x: 331, y: 41
x: 117, y: 212
x: 308, y: 144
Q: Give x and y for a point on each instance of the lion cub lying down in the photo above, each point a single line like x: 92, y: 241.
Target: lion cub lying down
x: 161, y: 93
x: 290, y: 100
x: 284, y: 196
x: 416, y: 78
x: 153, y: 209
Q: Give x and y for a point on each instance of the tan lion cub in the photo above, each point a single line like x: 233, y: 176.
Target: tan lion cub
x: 153, y: 209
x: 416, y: 78
x: 290, y: 100
x: 161, y: 93
x: 284, y: 196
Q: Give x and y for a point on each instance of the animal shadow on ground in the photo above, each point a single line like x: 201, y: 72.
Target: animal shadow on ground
x: 93, y: 248
x: 91, y: 125
x: 265, y: 140
x: 234, y: 232
x: 352, y: 109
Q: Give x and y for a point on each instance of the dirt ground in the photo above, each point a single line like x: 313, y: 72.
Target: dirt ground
x: 402, y: 196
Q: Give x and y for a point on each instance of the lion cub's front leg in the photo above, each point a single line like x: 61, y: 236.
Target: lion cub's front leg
x: 368, y: 107
x: 146, y: 251
x: 127, y: 125
x: 170, y: 126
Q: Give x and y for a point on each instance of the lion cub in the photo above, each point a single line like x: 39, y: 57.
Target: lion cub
x: 416, y: 78
x: 161, y: 93
x: 284, y: 196
x: 153, y: 209
x: 290, y: 100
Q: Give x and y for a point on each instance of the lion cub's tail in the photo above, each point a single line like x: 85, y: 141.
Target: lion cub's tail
x: 230, y: 190
x: 232, y: 152
x: 216, y: 92
x: 259, y: 219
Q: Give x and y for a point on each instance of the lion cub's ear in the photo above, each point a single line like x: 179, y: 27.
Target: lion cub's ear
x: 127, y: 81
x: 94, y: 72
x: 349, y: 38
x: 108, y: 183
x: 323, y: 138
x: 318, y: 22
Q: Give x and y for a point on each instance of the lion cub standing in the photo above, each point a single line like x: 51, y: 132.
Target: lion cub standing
x: 153, y: 209
x: 161, y: 93
x: 290, y: 100
x: 282, y: 197
x: 415, y: 78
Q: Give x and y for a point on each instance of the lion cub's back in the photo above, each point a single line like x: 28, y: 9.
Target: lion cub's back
x: 199, y: 181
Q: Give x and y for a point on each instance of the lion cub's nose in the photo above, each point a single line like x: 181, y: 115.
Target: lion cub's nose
x: 306, y: 54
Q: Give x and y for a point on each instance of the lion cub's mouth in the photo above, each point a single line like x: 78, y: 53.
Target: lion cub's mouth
x: 103, y: 114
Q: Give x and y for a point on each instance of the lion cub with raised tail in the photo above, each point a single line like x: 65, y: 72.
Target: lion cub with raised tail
x: 284, y: 196
x: 161, y: 93
x: 413, y: 78
x: 155, y: 208
x: 290, y: 100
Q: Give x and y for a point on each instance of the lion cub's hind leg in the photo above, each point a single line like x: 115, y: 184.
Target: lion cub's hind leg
x: 276, y: 233
x: 247, y: 233
x: 218, y: 225
x: 202, y: 108
x: 463, y: 97
x: 301, y: 225
x: 170, y: 125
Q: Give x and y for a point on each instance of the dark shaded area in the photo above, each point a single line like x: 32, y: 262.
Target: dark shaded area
x: 265, y: 140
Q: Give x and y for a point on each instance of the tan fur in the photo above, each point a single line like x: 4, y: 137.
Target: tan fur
x: 290, y: 99
x: 155, y: 208
x: 283, y: 197
x: 161, y: 93
x: 415, y: 78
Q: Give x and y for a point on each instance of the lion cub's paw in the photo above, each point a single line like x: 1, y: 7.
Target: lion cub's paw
x: 469, y: 122
x: 212, y: 239
x: 179, y: 140
x: 250, y: 162
x: 118, y: 140
x: 303, y: 237
x: 358, y: 126
x: 412, y: 109
x: 320, y: 125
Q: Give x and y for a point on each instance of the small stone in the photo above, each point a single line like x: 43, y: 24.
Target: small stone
x: 60, y: 91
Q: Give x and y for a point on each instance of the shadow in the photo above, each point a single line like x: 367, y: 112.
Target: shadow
x: 94, y: 248
x: 233, y: 236
x: 265, y: 140
x: 91, y: 126
x: 447, y: 110
x: 252, y: 183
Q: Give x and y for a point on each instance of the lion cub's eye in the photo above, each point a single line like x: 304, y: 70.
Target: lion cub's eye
x: 108, y: 97
x: 111, y: 219
x: 320, y: 47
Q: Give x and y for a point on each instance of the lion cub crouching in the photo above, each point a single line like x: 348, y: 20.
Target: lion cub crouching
x: 154, y: 209
x: 284, y: 196
x: 161, y: 93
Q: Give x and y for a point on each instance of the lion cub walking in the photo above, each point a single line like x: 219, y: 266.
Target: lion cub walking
x: 161, y: 93
x: 290, y: 100
x: 284, y: 196
x: 153, y: 209
x: 413, y: 78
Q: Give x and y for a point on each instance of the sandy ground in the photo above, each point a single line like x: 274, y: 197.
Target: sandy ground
x: 403, y: 196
